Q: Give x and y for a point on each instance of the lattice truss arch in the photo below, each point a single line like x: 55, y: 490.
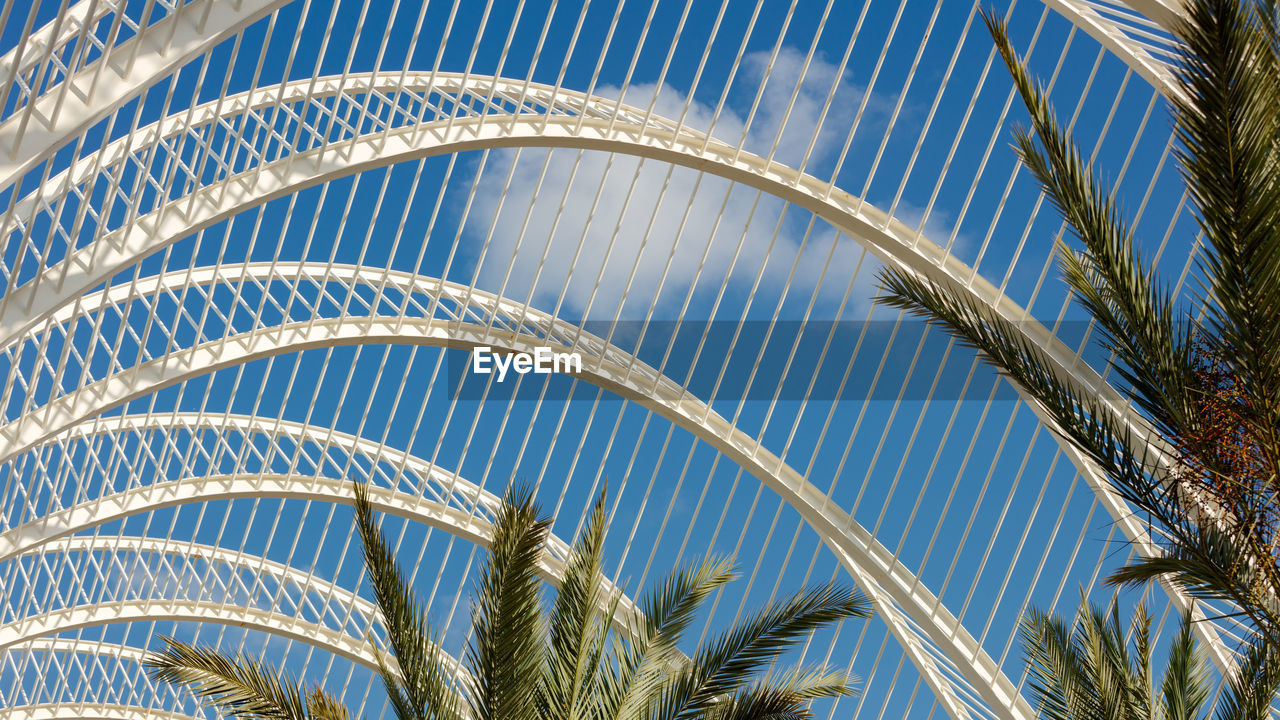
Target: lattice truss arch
x: 458, y: 316
x: 302, y: 133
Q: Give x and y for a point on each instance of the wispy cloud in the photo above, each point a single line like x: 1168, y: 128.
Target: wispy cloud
x: 595, y: 235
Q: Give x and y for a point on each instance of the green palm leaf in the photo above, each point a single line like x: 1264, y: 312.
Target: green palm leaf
x: 237, y: 685
x: 566, y: 665
x: 508, y: 643
x: 424, y: 686
x: 645, y: 662
x: 729, y: 661
x: 1219, y: 531
x: 784, y: 697
x: 578, y: 630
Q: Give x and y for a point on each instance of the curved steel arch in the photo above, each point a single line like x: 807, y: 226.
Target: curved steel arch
x: 308, y: 582
x: 281, y: 572
x: 127, y: 653
x: 894, y: 590
x: 157, y: 51
x: 661, y: 139
x: 89, y: 711
x: 175, y: 281
x: 1113, y: 36
x: 149, y: 30
x: 890, y: 239
x: 162, y: 609
x: 97, y: 649
x: 37, y: 536
x: 318, y: 181
x: 163, y: 46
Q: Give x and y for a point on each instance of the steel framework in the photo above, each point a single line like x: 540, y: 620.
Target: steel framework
x: 143, y: 325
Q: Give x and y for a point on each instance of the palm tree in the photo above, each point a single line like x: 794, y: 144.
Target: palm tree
x: 1203, y: 376
x: 1091, y: 669
x: 524, y: 662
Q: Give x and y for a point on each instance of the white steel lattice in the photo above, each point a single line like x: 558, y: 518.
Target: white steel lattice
x: 182, y: 336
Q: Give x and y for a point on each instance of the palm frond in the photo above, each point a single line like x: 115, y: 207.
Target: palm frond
x: 424, y: 686
x: 726, y: 663
x: 1060, y: 680
x: 1081, y: 419
x: 643, y: 662
x: 1228, y: 123
x: 1134, y: 310
x: 1212, y: 559
x: 508, y: 641
x: 1252, y: 688
x: 323, y: 706
x: 237, y: 685
x: 1185, y: 688
x: 578, y: 631
x: 1208, y: 563
x: 1095, y: 667
x: 783, y: 697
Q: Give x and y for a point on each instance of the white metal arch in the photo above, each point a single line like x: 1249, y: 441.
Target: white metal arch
x: 610, y: 127
x: 355, y: 606
x: 50, y: 533
x: 127, y: 653
x: 175, y: 281
x: 99, y: 652
x: 199, y: 25
x: 895, y: 591
x: 157, y: 51
x: 161, y: 609
x: 259, y: 566
x: 662, y: 139
x: 89, y: 711
x: 1129, y: 43
x: 6, y: 304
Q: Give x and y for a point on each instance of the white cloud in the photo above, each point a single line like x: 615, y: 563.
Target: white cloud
x: 627, y: 233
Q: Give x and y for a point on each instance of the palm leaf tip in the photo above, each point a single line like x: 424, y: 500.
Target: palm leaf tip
x: 784, y: 696
x: 237, y: 685
x: 322, y: 706
x: 579, y: 626
x: 508, y: 647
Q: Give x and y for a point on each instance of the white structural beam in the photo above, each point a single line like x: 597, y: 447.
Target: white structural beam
x: 88, y: 711
x: 156, y: 52
x: 340, y: 598
x: 175, y: 282
x: 50, y: 532
x: 1166, y: 13
x: 159, y: 49
x: 177, y: 610
x: 610, y: 128
x: 900, y: 599
x: 258, y: 566
x: 71, y: 645
x: 1113, y: 37
x: 890, y: 239
x: 52, y: 37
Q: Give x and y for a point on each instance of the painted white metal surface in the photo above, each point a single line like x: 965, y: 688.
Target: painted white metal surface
x: 56, y: 532
x: 159, y: 609
x: 55, y: 297
x: 896, y: 593
x: 89, y: 711
x: 80, y: 101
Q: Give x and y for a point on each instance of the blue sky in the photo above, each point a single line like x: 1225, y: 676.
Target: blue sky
x: 982, y: 473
